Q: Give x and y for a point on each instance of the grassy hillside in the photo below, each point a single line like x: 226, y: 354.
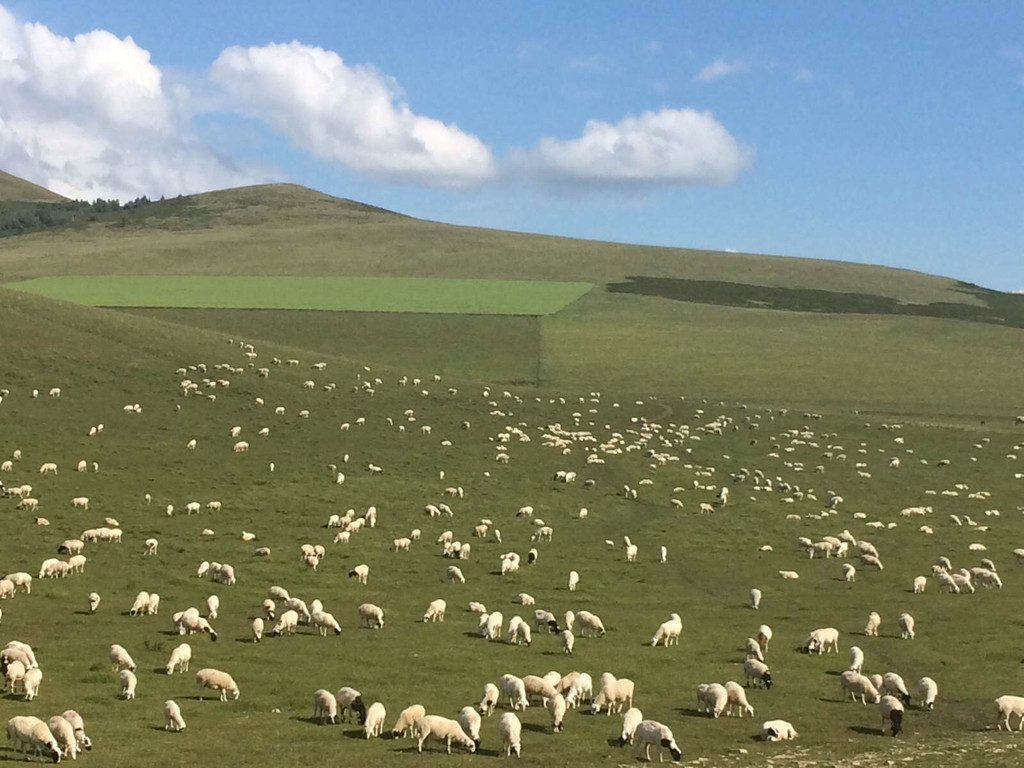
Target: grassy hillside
x: 765, y: 329
x: 103, y: 360
x: 13, y: 189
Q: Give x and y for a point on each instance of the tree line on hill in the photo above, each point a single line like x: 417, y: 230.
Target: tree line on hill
x: 17, y: 218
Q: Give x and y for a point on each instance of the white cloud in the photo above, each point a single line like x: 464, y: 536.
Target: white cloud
x: 350, y: 114
x: 720, y: 68
x: 90, y: 116
x: 671, y: 147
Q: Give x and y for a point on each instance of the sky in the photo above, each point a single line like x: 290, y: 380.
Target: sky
x: 876, y: 132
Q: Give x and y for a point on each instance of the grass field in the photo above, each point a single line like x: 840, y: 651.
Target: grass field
x: 104, y: 359
x: 353, y: 294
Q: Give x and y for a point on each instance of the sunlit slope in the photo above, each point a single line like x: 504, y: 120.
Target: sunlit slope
x: 14, y: 189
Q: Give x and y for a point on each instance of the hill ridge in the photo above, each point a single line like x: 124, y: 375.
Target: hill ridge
x: 16, y: 189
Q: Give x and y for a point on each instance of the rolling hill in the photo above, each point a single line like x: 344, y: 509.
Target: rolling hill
x: 14, y: 189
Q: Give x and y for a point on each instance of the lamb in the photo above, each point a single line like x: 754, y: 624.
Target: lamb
x: 568, y: 641
x: 668, y: 633
x: 752, y: 648
x: 173, y: 721
x: 928, y: 691
x: 442, y: 729
x: 738, y: 703
x: 590, y: 624
x: 1007, y: 706
x: 128, y: 681
x: 613, y: 693
x: 31, y: 733
x: 856, y: 684
x: 30, y: 683
x: 757, y: 673
x: 360, y: 572
x: 490, y: 699
x: 64, y: 733
x: 713, y: 699
x: 651, y: 732
x: 119, y: 657
x: 371, y: 615
x: 893, y: 685
x: 630, y: 721
x: 778, y: 730
x: 755, y: 598
x: 287, y: 624
x: 892, y: 714
x: 469, y: 719
x: 764, y: 636
x: 906, y: 622
x: 374, y: 723
x: 920, y: 582
x: 257, y: 629
x: 874, y: 622
x: 856, y: 659
x: 823, y: 640
x: 407, y: 718
x: 180, y: 657
x: 325, y: 622
x: 849, y: 572
x: 217, y: 680
x: 582, y: 687
x: 510, y: 730
x: 514, y: 689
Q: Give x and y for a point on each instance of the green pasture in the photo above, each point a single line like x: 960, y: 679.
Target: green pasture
x: 353, y: 294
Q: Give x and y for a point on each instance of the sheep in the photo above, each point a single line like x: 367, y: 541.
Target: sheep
x: 491, y: 625
x: 80, y: 502
x: 151, y: 547
x: 406, y: 721
x: 30, y: 683
x: 173, y: 721
x: 764, y: 636
x: 893, y: 685
x: 928, y: 691
x: 79, y: 728
x: 856, y: 659
x: 371, y: 615
x: 778, y: 730
x: 755, y: 598
x: 350, y: 702
x: 630, y: 721
x: 510, y: 729
x: 442, y: 729
x: 581, y: 687
x: 891, y: 709
x: 713, y: 699
x: 257, y: 629
x: 140, y: 605
x: 217, y: 680
x: 374, y: 723
x: 48, y: 468
x: 613, y: 693
x: 556, y: 708
x: 662, y: 552
x: 489, y: 700
x: 94, y: 602
x: 469, y: 719
x: 325, y: 622
x: 568, y: 641
x: 128, y: 682
x: 287, y: 624
x: 64, y: 733
x: 574, y: 580
x: 1007, y: 706
x: 544, y: 620
x: 538, y: 688
x: 906, y: 622
x: 590, y: 624
x: 752, y: 648
x: 920, y: 582
x: 652, y: 733
x: 874, y: 622
x: 31, y: 733
x: 789, y: 575
x: 180, y: 657
x: 738, y: 704
x: 569, y: 619
x: 856, y: 684
x: 668, y: 633
x: 21, y: 580
x: 119, y: 657
x: 849, y: 572
x: 513, y: 689
x: 757, y: 673
x: 823, y: 640
x: 14, y: 673
x: 402, y: 544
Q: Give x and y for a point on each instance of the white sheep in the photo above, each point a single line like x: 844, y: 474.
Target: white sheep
x: 128, y: 681
x: 738, y: 704
x: 493, y: 624
x: 906, y: 622
x: 928, y: 691
x: 407, y: 718
x: 30, y: 683
x: 764, y: 636
x: 469, y: 719
x: 371, y: 615
x: 173, y: 721
x: 513, y: 689
x: 442, y: 729
x: 257, y: 629
x: 789, y: 575
x: 713, y: 699
x: 856, y: 684
x: 668, y: 633
x: 217, y: 680
x: 79, y: 728
x: 490, y: 699
x: 630, y: 721
x: 823, y: 640
x: 874, y: 622
x: 920, y: 582
x: 614, y: 693
x: 652, y: 733
x: 361, y: 573
x: 574, y: 580
x: 849, y: 572
x: 580, y: 688
x: 568, y: 641
x: 893, y: 685
x: 755, y: 598
x: 32, y: 734
x: 1007, y: 706
x: 287, y: 624
x: 511, y: 731
x: 891, y: 709
x: 590, y: 624
x: 325, y: 623
x: 180, y: 657
x: 778, y: 730
x: 757, y: 673
x: 856, y: 659
x: 374, y: 721
x: 119, y: 657
x: 64, y: 733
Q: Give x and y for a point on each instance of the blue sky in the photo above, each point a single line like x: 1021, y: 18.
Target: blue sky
x: 888, y: 133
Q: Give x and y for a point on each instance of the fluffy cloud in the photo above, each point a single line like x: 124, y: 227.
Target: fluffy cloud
x: 671, y: 147
x: 350, y: 114
x: 91, y: 117
x: 720, y: 68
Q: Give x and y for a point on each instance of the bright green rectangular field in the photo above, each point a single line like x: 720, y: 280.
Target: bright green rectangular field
x: 350, y: 294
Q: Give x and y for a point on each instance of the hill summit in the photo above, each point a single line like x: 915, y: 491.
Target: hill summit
x: 14, y: 189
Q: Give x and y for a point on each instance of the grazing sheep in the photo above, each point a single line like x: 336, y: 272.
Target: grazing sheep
x: 30, y: 683
x: 928, y: 691
x: 764, y: 636
x: 856, y: 659
x: 568, y: 641
x: 668, y: 633
x: 849, y: 572
x: 713, y: 699
x: 374, y: 722
x: 257, y: 629
x: 127, y: 681
x: 325, y: 706
x: 874, y: 622
x: 738, y: 704
x: 371, y: 615
x: 891, y: 709
x: 94, y: 602
x: 79, y: 727
x: 31, y: 733
x: 856, y: 684
x: 590, y: 624
x: 119, y: 657
x: 407, y: 719
x: 778, y: 730
x: 490, y: 699
x: 652, y: 733
x: 789, y: 575
x: 752, y: 648
x: 906, y: 622
x: 574, y: 580
x: 755, y: 598
x: 920, y: 582
x: 514, y: 689
x: 469, y: 719
x: 180, y: 657
x: 287, y: 624
x: 511, y: 731
x: 757, y: 673
x: 824, y: 640
x: 893, y: 685
x: 361, y: 573
x: 217, y: 680
x: 1007, y: 706
x: 613, y: 694
x: 64, y: 733
x: 630, y: 721
x: 442, y: 729
x: 173, y: 721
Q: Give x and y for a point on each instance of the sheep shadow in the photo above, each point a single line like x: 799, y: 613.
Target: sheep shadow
x: 246, y: 640
x: 84, y: 613
x: 688, y: 712
x: 355, y: 734
x: 833, y: 673
x: 534, y: 727
x: 160, y: 671
x: 865, y: 730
